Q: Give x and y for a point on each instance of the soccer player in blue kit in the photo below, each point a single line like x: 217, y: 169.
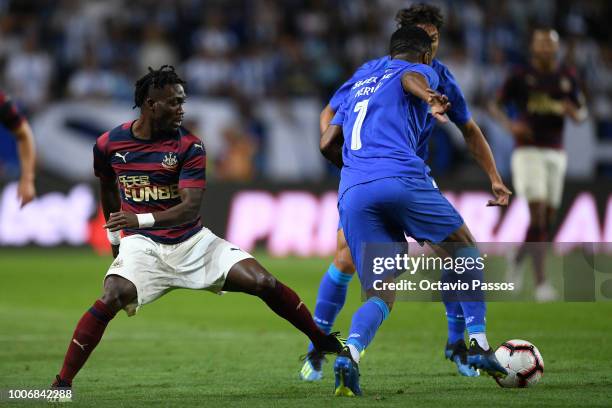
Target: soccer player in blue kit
x: 334, y: 284
x: 385, y: 191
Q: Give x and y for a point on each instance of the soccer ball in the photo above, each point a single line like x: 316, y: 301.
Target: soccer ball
x: 523, y: 361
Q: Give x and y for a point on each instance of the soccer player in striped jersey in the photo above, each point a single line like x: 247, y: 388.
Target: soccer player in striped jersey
x: 334, y: 284
x: 16, y: 123
x: 152, y: 181
x: 540, y: 95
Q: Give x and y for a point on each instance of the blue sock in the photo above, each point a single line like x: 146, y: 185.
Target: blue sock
x: 454, y: 312
x: 455, y: 320
x: 472, y: 301
x: 366, y: 321
x: 331, y: 298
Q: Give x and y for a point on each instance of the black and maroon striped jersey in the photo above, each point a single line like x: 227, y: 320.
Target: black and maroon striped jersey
x: 149, y: 175
x: 9, y: 114
x: 537, y: 98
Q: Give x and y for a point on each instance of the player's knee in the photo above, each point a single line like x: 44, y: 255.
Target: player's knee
x: 264, y: 284
x: 461, y: 236
x: 465, y: 235
x: 118, y: 293
x: 113, y: 300
x: 343, y: 260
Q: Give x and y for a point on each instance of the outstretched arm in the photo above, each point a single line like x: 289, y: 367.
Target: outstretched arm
x: 332, y: 138
x: 518, y: 128
x: 187, y: 210
x: 325, y: 118
x: 578, y: 112
x: 331, y: 145
x: 417, y: 84
x: 480, y: 150
x: 27, y: 159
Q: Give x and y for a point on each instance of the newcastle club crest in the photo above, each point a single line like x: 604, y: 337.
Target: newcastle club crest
x: 170, y: 161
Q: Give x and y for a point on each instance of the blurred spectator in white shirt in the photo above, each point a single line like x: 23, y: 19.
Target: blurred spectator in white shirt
x: 29, y: 72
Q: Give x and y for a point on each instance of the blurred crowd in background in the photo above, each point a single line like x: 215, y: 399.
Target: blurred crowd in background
x: 252, y: 49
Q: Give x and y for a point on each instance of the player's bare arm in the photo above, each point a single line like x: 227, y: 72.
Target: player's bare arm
x: 481, y: 152
x: 417, y: 85
x: 517, y: 128
x: 325, y: 118
x: 331, y: 144
x: 27, y: 159
x: 111, y: 203
x: 187, y: 210
x: 576, y: 112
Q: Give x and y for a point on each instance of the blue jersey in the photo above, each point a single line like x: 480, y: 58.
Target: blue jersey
x: 382, y: 125
x: 447, y: 85
x: 340, y: 95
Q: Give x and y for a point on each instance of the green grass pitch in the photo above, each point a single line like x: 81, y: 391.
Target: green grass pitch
x: 193, y: 348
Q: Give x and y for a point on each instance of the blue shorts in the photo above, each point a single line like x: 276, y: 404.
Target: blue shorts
x: 379, y: 212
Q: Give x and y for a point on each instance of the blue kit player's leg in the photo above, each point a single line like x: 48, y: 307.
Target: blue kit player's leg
x: 364, y: 211
x: 480, y: 354
x: 456, y: 350
x: 330, y: 300
x: 428, y: 216
x: 331, y: 297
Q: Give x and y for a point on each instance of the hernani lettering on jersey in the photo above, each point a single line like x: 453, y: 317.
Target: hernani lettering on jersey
x: 365, y: 91
x: 368, y: 90
x: 138, y: 188
x: 366, y: 81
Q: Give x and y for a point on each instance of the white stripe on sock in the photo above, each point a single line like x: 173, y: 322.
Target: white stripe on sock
x: 481, y: 339
x: 354, y: 353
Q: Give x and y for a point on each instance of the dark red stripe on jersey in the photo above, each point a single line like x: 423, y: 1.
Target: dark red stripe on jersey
x: 132, y: 145
x: 135, y: 167
x: 537, y: 98
x: 197, y: 162
x: 150, y: 173
x: 187, y: 183
x: 102, y: 167
x: 102, y: 142
x: 192, y: 182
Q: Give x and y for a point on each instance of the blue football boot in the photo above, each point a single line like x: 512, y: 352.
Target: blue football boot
x: 457, y: 353
x: 312, y: 368
x: 346, y: 371
x: 485, y: 360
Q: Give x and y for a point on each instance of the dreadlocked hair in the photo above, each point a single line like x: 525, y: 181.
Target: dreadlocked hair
x: 156, y: 78
x: 420, y: 14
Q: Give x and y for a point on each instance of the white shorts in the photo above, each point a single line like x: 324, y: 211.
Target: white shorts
x: 538, y: 174
x: 201, y: 262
